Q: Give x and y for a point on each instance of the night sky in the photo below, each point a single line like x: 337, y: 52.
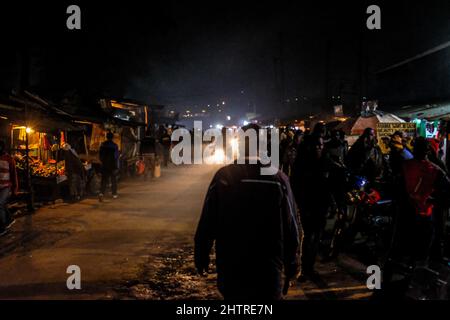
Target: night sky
x: 185, y: 53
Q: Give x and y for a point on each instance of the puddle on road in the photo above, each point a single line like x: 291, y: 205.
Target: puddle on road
x: 169, y: 276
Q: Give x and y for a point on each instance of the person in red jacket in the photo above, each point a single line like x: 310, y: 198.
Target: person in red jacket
x: 8, y: 185
x: 425, y: 186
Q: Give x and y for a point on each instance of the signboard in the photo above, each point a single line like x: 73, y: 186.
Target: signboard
x: 431, y: 129
x: 387, y: 129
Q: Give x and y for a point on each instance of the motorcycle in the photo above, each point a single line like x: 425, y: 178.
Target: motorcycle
x: 366, y: 213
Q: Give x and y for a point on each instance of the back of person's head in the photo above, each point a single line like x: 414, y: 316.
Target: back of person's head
x: 109, y: 136
x: 421, y: 148
x: 367, y: 132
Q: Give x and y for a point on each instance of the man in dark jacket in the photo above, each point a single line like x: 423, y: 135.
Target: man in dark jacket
x: 109, y: 157
x: 311, y: 190
x: 253, y: 221
x: 365, y: 157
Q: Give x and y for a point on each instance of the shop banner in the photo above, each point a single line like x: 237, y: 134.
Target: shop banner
x: 386, y: 130
x: 99, y: 135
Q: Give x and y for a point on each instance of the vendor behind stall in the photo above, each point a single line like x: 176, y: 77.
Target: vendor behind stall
x: 8, y: 185
x: 75, y: 172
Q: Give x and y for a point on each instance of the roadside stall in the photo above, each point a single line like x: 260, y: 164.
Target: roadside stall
x: 36, y: 134
x: 433, y: 123
x: 354, y: 127
x: 39, y: 149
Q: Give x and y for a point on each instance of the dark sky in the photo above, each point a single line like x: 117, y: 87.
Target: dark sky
x: 186, y: 53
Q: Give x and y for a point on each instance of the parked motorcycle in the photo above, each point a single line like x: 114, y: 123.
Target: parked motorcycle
x: 367, y: 214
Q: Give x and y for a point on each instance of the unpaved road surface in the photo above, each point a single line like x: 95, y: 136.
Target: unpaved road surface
x: 139, y: 246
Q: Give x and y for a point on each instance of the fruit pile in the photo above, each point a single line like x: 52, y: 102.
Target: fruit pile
x: 38, y: 168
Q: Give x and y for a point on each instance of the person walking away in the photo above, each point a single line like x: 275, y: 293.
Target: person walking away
x: 109, y: 157
x: 8, y: 185
x: 253, y: 222
x: 148, y: 153
x: 74, y: 170
x: 310, y: 187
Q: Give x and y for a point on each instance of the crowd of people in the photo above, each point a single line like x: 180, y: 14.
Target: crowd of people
x: 260, y: 233
x: 412, y: 175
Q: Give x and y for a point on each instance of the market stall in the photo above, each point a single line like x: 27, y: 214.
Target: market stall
x: 39, y: 151
x: 354, y: 127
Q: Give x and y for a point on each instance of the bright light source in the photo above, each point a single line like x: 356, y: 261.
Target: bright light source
x: 219, y: 126
x: 234, y: 143
x: 223, y: 102
x: 28, y: 130
x: 245, y: 123
x: 271, y: 126
x: 203, y: 111
x: 210, y: 126
x: 219, y: 156
x: 228, y: 118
